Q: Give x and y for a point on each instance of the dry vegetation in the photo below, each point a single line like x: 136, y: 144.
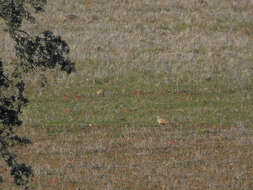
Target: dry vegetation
x: 188, y: 61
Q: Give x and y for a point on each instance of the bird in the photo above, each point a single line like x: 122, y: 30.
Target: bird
x: 100, y: 92
x: 65, y: 18
x: 161, y: 121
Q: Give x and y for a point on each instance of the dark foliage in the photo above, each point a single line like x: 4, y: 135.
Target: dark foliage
x: 45, y: 50
x: 10, y: 108
x: 14, y: 11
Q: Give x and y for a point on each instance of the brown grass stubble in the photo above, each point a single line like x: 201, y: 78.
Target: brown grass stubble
x: 150, y: 157
x: 167, y: 38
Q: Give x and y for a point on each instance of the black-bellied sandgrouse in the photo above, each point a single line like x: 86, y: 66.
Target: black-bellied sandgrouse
x: 161, y: 121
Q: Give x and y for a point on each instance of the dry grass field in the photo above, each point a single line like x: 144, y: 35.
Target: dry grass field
x: 187, y: 61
